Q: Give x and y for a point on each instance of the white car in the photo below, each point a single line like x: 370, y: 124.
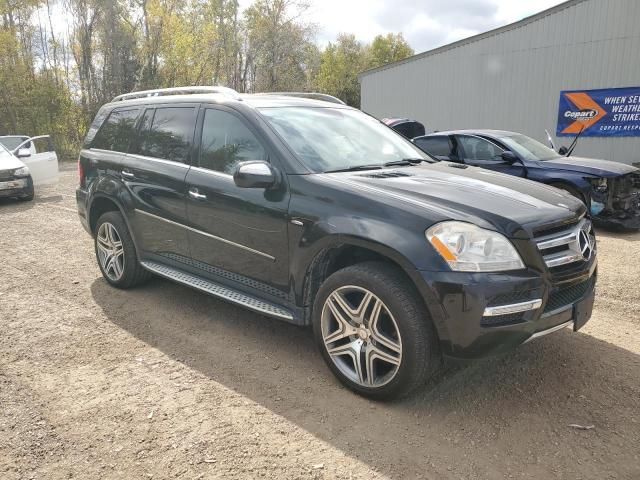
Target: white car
x: 22, y: 166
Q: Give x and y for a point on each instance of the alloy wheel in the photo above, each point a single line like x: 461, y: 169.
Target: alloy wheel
x: 110, y: 251
x: 361, y: 336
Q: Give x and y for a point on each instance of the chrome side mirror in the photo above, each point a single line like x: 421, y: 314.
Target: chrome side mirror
x: 254, y: 174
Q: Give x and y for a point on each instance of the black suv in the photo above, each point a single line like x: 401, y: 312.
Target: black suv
x: 317, y: 214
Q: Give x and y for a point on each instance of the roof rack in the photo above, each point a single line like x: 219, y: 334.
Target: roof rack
x: 229, y: 92
x: 311, y: 95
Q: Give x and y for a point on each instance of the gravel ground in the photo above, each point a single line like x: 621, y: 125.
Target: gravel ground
x: 165, y: 382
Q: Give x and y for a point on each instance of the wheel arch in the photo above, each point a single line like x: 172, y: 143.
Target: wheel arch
x: 344, y: 251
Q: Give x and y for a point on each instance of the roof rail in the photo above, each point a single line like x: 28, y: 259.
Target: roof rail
x: 311, y: 95
x: 229, y: 92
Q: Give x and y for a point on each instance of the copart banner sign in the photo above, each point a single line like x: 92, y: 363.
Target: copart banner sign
x: 608, y: 112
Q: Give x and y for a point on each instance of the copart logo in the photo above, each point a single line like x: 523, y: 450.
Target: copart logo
x: 580, y: 114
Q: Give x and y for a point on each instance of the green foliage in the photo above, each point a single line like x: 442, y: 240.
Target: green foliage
x: 343, y: 61
x: 55, y: 86
x: 388, y: 49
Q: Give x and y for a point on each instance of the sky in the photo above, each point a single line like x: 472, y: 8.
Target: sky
x: 426, y: 24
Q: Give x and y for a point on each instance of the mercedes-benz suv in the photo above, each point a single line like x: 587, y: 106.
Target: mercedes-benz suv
x: 315, y: 213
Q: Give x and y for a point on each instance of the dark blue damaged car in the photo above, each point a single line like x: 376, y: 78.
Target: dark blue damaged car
x: 611, y: 190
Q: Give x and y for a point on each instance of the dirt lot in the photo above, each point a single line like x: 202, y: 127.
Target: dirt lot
x: 164, y: 382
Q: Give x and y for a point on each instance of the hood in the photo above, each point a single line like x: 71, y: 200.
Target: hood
x: 592, y: 166
x: 10, y: 162
x: 470, y: 194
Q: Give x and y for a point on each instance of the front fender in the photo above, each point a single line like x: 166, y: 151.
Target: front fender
x: 408, y: 249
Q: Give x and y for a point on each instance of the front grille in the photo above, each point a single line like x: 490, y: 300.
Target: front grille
x: 6, y: 175
x: 510, y: 298
x: 567, y: 245
x: 501, y: 320
x: 565, y: 296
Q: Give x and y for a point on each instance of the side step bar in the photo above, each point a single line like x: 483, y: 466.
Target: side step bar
x: 217, y: 290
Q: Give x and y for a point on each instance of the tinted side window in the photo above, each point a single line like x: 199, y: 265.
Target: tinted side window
x: 170, y: 135
x: 226, y: 141
x: 476, y: 148
x: 436, y: 146
x: 118, y: 130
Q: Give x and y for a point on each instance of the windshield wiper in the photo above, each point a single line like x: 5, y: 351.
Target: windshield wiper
x: 394, y: 163
x: 355, y: 168
x: 407, y: 161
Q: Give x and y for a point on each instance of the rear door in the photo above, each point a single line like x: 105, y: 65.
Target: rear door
x: 42, y: 159
x: 237, y: 231
x: 483, y: 152
x: 154, y: 173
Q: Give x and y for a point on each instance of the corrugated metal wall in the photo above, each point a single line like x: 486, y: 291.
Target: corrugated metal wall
x: 512, y: 80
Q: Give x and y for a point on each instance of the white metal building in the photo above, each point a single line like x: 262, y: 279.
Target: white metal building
x: 511, y: 78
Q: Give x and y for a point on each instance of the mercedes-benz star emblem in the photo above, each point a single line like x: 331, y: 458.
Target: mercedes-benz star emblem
x: 586, y: 247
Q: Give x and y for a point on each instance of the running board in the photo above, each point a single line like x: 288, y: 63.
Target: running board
x: 218, y: 290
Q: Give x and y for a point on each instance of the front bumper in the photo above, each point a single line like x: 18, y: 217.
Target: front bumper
x: 16, y: 187
x: 461, y: 307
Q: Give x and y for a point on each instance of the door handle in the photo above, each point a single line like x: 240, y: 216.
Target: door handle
x: 193, y: 193
x: 127, y: 174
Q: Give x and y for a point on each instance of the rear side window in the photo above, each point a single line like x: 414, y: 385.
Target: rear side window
x: 476, y: 148
x: 117, y: 131
x: 169, y: 134
x: 226, y: 141
x: 436, y: 146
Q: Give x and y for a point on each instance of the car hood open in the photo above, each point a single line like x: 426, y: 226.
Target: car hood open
x: 592, y: 166
x: 469, y: 194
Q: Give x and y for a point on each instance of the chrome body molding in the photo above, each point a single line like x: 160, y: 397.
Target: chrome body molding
x: 159, y: 160
x: 542, y: 333
x: 218, y: 290
x: 579, y: 245
x: 200, y: 232
x: 512, y: 308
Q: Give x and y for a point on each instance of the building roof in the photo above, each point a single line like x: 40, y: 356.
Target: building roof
x: 475, y: 38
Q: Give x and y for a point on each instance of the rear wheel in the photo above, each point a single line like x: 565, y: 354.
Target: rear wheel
x: 374, y: 332
x: 116, y: 252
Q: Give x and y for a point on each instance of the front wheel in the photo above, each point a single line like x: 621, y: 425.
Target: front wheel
x: 374, y: 332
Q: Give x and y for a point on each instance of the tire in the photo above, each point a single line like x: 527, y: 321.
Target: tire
x: 111, y: 232
x: 402, y: 344
x: 29, y: 195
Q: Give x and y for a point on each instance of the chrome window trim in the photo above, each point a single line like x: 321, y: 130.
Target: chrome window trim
x: 212, y: 172
x: 159, y: 160
x: 200, y: 232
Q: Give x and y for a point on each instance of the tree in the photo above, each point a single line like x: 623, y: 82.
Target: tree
x: 387, y: 49
x: 278, y: 45
x: 340, y: 64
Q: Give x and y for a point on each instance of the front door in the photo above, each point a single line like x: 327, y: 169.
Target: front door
x: 41, y: 159
x: 480, y: 152
x: 238, y: 233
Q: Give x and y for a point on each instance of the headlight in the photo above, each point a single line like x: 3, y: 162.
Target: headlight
x: 21, y: 172
x: 469, y: 248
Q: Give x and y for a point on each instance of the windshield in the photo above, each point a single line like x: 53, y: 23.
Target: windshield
x: 327, y: 139
x: 12, y: 142
x: 528, y: 148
